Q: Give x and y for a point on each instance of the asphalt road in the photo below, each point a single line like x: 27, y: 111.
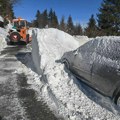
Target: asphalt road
x: 17, y: 100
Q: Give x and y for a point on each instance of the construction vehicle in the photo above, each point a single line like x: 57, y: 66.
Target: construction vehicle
x: 19, y: 32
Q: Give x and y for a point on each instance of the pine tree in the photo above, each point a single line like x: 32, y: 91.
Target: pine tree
x: 50, y: 18
x: 70, y: 26
x: 62, y: 24
x: 78, y: 29
x: 54, y: 20
x: 91, y: 30
x: 45, y: 18
x: 109, y: 17
x: 37, y: 20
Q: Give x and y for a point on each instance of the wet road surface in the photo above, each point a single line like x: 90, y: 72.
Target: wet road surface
x: 17, y: 100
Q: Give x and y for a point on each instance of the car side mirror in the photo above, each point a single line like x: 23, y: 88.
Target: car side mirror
x: 75, y: 52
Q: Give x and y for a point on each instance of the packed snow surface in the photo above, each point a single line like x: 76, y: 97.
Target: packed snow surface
x: 3, y: 34
x: 64, y: 94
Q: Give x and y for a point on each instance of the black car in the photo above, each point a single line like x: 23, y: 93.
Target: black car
x: 97, y: 62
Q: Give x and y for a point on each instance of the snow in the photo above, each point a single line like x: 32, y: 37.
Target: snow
x: 50, y: 44
x: 64, y: 94
x: 3, y: 34
x: 9, y: 26
x: 30, y: 31
x: 81, y: 39
x: 1, y: 19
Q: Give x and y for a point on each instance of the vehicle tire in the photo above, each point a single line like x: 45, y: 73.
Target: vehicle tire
x: 11, y: 43
x: 117, y: 99
x: 15, y: 37
x: 66, y: 63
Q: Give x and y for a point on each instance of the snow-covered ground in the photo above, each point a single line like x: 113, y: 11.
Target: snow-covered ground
x: 64, y: 94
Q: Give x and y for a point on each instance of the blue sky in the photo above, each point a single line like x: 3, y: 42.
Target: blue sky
x: 80, y: 10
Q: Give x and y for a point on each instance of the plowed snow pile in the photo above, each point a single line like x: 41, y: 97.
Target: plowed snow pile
x: 58, y: 87
x: 3, y: 34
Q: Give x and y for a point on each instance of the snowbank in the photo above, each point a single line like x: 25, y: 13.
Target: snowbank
x: 30, y: 31
x: 1, y: 19
x: 60, y: 89
x: 81, y: 39
x: 3, y: 34
x: 49, y: 45
x: 8, y: 26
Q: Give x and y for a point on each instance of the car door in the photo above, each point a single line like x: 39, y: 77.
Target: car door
x: 83, y: 60
x: 106, y: 67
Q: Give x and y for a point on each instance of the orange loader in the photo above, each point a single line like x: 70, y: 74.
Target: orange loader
x: 19, y: 32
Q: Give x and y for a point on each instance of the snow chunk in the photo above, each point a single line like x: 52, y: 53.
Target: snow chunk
x: 50, y: 45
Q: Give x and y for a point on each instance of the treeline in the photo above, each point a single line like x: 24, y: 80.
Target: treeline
x: 49, y: 19
x: 107, y: 23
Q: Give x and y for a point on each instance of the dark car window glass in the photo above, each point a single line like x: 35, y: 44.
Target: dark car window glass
x: 86, y: 51
x: 89, y: 46
x: 16, y: 24
x: 22, y: 23
x: 109, y: 49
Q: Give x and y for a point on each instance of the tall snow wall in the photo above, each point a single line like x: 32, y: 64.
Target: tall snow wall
x: 3, y: 34
x: 49, y: 45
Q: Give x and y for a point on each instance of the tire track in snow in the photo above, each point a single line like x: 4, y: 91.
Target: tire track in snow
x: 17, y: 100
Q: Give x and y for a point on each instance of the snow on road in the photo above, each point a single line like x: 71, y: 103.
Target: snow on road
x: 65, y: 95
x: 17, y: 99
x: 10, y: 107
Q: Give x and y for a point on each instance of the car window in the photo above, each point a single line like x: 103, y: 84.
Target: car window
x: 89, y: 46
x: 109, y: 49
x: 86, y: 51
